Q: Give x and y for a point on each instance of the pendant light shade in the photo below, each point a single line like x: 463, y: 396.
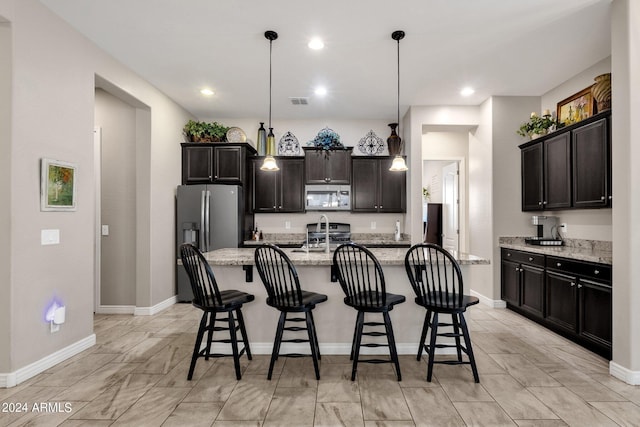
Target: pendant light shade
x: 269, y: 163
x: 394, y: 141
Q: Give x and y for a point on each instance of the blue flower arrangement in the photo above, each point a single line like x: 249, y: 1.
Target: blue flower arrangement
x: 326, y: 139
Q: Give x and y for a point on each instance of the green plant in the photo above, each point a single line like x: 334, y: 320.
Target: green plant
x: 203, y: 131
x: 426, y: 192
x: 536, y: 125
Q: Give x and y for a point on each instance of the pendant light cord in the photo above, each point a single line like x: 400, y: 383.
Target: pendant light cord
x: 399, y: 92
x: 270, y: 54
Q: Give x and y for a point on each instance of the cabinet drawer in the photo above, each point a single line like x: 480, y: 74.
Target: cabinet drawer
x: 599, y: 272
x: 523, y: 257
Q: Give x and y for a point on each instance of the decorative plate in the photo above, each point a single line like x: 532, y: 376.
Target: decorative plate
x: 371, y: 144
x: 236, y: 135
x: 288, y: 145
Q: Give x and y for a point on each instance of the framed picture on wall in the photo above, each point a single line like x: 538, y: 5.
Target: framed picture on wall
x: 57, y: 185
x: 578, y: 106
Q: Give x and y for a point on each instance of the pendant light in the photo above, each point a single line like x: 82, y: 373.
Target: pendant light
x: 269, y: 163
x: 398, y: 164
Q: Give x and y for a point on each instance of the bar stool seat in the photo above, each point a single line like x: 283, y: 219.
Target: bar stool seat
x: 361, y: 278
x: 208, y: 298
x: 280, y: 279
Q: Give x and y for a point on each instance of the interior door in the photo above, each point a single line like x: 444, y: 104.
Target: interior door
x: 450, y: 204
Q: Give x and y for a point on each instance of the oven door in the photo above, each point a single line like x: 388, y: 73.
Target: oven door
x: 328, y: 197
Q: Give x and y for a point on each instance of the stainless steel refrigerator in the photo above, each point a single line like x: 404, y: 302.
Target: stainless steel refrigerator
x: 211, y: 217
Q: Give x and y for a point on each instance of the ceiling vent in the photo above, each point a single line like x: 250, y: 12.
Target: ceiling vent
x: 299, y: 100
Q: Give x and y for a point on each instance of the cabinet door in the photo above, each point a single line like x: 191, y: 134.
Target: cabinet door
x: 532, y: 289
x: 532, y: 184
x: 290, y: 185
x: 339, y: 167
x: 364, y: 185
x: 591, y: 165
x: 510, y: 281
x: 561, y: 300
x: 228, y: 165
x: 197, y: 165
x: 315, y: 164
x: 594, y: 302
x: 392, y: 189
x: 557, y: 172
x: 263, y: 185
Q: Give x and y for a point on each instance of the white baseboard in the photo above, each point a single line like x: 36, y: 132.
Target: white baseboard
x: 12, y: 379
x: 150, y: 311
x: 137, y: 311
x: 493, y: 303
x: 624, y: 374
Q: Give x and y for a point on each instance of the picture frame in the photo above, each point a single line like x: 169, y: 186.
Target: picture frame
x: 58, y: 183
x: 577, y: 107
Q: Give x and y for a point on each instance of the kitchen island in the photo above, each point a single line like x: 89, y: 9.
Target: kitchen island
x: 334, y: 320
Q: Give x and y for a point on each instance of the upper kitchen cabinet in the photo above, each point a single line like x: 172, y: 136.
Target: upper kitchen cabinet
x: 569, y: 168
x: 327, y: 166
x: 591, y: 165
x: 278, y: 191
x: 374, y: 188
x: 215, y: 163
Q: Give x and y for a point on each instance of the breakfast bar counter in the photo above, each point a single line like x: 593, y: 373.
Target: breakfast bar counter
x: 334, y: 320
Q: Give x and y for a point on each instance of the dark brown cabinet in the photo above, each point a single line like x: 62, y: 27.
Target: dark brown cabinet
x: 569, y: 168
x: 591, y: 165
x: 327, y: 166
x: 215, y: 163
x: 279, y: 191
x: 374, y: 188
x: 568, y: 296
x: 546, y: 174
x: 523, y: 280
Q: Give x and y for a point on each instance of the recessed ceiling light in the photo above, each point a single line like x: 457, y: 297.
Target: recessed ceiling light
x: 316, y: 44
x: 207, y: 92
x: 467, y: 91
x: 321, y: 91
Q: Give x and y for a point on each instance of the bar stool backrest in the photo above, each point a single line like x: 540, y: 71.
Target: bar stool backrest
x: 203, y: 282
x: 360, y: 275
x: 435, y: 275
x: 278, y: 275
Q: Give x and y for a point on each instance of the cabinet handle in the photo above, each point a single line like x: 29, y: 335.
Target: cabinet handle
x: 209, y: 176
x: 274, y: 207
x: 517, y: 269
x: 539, y: 203
x: 596, y: 272
x: 544, y: 203
x: 610, y: 197
x: 509, y: 254
x: 558, y: 264
x: 602, y: 197
x: 530, y: 258
x: 279, y: 207
x: 380, y: 206
x: 579, y: 286
x: 376, y: 206
x: 572, y: 284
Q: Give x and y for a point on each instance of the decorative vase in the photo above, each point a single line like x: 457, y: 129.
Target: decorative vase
x: 601, y: 91
x: 394, y: 141
x: 271, y: 143
x: 262, y: 140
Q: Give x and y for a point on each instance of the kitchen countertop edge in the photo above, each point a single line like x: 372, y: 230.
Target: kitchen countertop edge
x: 592, y: 254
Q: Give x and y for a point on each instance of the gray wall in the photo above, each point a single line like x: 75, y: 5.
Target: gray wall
x: 117, y: 120
x: 5, y: 193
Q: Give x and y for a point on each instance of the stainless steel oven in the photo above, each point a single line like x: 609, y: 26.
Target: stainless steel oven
x: 321, y: 197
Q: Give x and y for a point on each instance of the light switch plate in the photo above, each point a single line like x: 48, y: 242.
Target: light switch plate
x: 373, y: 225
x: 50, y: 237
x: 287, y: 225
x: 105, y: 230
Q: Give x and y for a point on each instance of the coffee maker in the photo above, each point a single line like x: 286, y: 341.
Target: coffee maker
x: 546, y: 231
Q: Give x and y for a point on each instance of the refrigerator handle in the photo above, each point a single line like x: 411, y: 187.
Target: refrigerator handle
x: 207, y: 219
x: 202, y: 243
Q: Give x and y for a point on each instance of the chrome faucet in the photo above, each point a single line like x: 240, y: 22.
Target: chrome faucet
x: 326, y: 231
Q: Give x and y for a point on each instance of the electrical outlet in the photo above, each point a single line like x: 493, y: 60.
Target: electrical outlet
x: 563, y: 228
x: 373, y: 225
x: 287, y: 225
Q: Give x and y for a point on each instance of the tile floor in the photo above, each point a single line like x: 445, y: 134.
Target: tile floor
x: 136, y: 376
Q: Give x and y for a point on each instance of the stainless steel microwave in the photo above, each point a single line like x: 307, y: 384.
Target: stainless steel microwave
x: 320, y: 197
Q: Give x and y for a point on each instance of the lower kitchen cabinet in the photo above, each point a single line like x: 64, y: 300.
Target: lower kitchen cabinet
x: 568, y: 296
x: 278, y: 191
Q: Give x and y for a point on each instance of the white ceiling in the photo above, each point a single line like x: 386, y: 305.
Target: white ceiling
x: 500, y: 47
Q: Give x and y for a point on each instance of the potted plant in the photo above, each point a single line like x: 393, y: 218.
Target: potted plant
x: 196, y: 131
x: 537, y: 125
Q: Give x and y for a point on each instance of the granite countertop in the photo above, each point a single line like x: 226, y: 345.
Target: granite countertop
x: 579, y: 249
x: 386, y: 256
x: 296, y: 239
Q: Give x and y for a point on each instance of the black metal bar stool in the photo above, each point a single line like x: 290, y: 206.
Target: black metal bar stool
x: 436, y: 279
x: 362, y: 281
x: 208, y: 298
x: 280, y: 279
